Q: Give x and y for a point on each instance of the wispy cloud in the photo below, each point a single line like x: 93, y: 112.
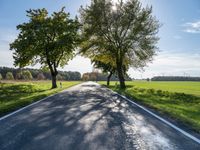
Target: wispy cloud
x: 171, y: 64
x: 192, y: 27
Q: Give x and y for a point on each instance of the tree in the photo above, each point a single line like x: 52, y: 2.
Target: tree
x: 128, y: 33
x: 40, y: 76
x: 26, y: 75
x: 93, y: 76
x: 1, y: 77
x: 48, y: 40
x: 18, y: 75
x: 85, y: 77
x: 105, y: 67
x: 59, y: 77
x: 9, y: 76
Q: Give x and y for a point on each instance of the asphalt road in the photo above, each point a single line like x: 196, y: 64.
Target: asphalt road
x: 88, y: 117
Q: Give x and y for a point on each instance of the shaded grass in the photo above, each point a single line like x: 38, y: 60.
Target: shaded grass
x: 14, y: 95
x: 181, y: 106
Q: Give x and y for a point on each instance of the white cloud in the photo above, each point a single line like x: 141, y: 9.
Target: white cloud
x: 171, y: 64
x: 80, y: 64
x: 192, y: 27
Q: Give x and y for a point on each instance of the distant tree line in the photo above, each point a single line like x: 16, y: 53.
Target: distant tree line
x: 175, y: 78
x: 36, y: 74
x: 96, y: 76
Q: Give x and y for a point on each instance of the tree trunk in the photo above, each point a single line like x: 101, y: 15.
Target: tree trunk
x: 54, y: 73
x: 121, y: 75
x: 53, y: 78
x: 108, y: 78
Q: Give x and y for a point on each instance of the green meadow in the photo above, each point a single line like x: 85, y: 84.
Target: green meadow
x: 177, y: 100
x: 14, y: 95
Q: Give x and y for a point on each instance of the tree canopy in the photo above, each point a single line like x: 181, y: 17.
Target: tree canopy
x: 46, y: 39
x: 125, y: 31
x: 1, y: 77
x: 9, y: 76
x: 106, y: 64
x: 39, y: 74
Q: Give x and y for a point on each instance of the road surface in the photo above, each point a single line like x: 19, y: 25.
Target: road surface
x: 88, y: 117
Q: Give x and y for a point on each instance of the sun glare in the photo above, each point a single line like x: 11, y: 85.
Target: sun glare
x: 114, y: 7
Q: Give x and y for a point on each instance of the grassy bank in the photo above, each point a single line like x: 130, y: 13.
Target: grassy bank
x: 14, y: 95
x: 178, y: 100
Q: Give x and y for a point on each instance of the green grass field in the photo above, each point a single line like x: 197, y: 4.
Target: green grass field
x: 14, y: 95
x: 178, y: 100
x: 180, y: 87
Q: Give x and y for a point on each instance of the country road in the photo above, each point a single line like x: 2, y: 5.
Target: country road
x: 88, y: 117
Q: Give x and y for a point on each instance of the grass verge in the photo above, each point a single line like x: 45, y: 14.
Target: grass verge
x: 15, y: 95
x: 180, y: 106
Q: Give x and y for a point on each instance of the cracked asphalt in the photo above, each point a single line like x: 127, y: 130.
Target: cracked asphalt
x: 88, y: 117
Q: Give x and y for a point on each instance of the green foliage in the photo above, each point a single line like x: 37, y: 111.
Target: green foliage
x: 1, y: 77
x: 85, y: 77
x: 104, y: 64
x: 18, y: 75
x: 26, y: 75
x: 40, y: 76
x: 48, y: 40
x: 59, y: 77
x: 37, y: 73
x: 9, y: 76
x: 18, y: 94
x: 175, y: 78
x: 128, y: 34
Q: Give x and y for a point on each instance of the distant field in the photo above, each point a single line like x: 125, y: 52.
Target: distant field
x: 179, y: 86
x: 179, y: 100
x: 14, y: 95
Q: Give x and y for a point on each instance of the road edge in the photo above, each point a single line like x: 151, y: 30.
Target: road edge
x: 190, y: 136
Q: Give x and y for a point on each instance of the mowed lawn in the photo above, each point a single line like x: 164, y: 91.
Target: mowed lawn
x: 178, y: 100
x: 14, y: 95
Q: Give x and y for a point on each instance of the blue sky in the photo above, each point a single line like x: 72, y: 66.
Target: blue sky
x: 179, y: 35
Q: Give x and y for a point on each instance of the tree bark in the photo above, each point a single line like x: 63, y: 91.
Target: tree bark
x: 120, y: 73
x: 108, y: 78
x: 53, y: 79
x: 54, y: 73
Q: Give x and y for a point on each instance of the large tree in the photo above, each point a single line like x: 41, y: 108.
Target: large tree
x: 125, y: 30
x: 46, y: 39
x: 105, y: 63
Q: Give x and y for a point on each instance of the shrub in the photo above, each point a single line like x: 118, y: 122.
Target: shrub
x: 18, y: 75
x: 160, y: 93
x: 1, y: 77
x: 183, y: 97
x: 9, y: 76
x: 150, y: 91
x: 40, y: 76
x: 59, y: 77
x: 141, y: 90
x: 26, y: 75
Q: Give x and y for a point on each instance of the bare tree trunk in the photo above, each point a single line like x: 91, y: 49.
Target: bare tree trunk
x: 121, y: 79
x: 53, y: 78
x: 108, y: 78
x: 120, y: 73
